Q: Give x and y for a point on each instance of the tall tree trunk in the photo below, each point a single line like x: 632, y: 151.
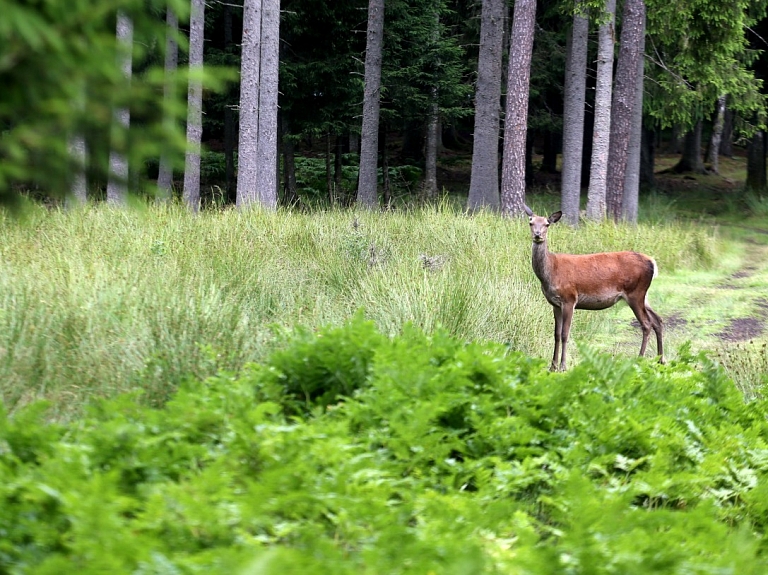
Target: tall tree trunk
x: 367, y: 189
x: 713, y: 156
x: 631, y: 196
x: 601, y: 130
x: 756, y: 176
x: 484, y: 181
x: 250, y: 71
x: 230, y: 130
x: 726, y: 142
x: 191, y: 190
x: 691, y: 160
x: 267, y: 158
x: 78, y: 152
x: 622, y: 107
x: 430, y: 152
x: 516, y: 118
x: 648, y: 157
x: 290, y: 188
x: 573, y: 116
x: 165, y: 173
x: 117, y: 186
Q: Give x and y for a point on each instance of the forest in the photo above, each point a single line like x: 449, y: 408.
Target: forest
x: 268, y: 303
x: 377, y: 104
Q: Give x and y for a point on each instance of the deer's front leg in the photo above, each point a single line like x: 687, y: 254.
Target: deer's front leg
x: 558, y: 332
x: 567, y: 316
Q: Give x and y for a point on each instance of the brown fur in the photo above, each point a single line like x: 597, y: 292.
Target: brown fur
x: 591, y: 281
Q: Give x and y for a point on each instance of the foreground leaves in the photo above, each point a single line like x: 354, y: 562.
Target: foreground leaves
x: 413, y: 454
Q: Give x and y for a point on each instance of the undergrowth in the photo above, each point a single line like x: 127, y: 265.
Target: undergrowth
x: 99, y: 301
x: 420, y: 453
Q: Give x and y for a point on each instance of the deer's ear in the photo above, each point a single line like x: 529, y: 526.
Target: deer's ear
x: 528, y: 211
x: 555, y: 217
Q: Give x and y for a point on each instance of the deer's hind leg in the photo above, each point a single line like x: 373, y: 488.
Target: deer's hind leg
x: 657, y: 324
x: 643, y: 316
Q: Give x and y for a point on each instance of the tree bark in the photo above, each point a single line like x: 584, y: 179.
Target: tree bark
x: 713, y: 156
x: 573, y: 116
x: 601, y: 130
x: 78, y: 152
x: 250, y: 71
x: 516, y: 117
x: 117, y: 186
x: 230, y: 129
x: 484, y: 181
x: 266, y: 157
x: 756, y: 176
x: 648, y: 157
x: 367, y: 188
x: 430, y: 152
x: 726, y: 142
x: 631, y: 196
x: 691, y: 160
x: 191, y: 190
x: 165, y: 173
x: 622, y: 106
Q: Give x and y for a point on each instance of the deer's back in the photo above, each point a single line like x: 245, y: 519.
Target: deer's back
x: 598, y: 281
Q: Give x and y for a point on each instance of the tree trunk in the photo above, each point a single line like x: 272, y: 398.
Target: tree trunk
x: 191, y: 190
x: 250, y: 71
x: 165, y: 173
x: 430, y: 152
x: 367, y: 189
x: 573, y: 116
x: 648, y: 157
x: 230, y: 130
x: 726, y: 142
x: 601, y: 131
x: 484, y: 181
x: 623, y: 104
x: 713, y: 156
x: 631, y: 196
x: 691, y: 160
x: 78, y: 152
x: 117, y: 186
x: 756, y: 176
x: 266, y: 156
x: 516, y: 118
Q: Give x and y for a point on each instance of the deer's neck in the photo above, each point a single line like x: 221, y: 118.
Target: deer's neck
x: 541, y: 262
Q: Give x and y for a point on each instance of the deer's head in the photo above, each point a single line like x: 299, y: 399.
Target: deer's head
x: 539, y: 224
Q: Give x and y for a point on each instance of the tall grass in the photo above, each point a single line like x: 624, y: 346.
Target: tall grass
x: 99, y: 301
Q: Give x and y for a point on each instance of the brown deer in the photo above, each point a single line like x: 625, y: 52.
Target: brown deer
x: 591, y: 281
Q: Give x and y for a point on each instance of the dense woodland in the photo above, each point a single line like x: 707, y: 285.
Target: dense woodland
x: 319, y: 102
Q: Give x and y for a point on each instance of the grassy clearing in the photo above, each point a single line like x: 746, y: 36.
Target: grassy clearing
x: 100, y: 301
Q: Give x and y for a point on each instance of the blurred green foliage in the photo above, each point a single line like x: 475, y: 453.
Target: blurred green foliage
x: 61, y: 78
x: 424, y: 454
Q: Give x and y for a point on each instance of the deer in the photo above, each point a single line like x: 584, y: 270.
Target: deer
x: 593, y: 282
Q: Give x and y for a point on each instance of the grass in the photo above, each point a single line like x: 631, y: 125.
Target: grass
x: 100, y: 301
